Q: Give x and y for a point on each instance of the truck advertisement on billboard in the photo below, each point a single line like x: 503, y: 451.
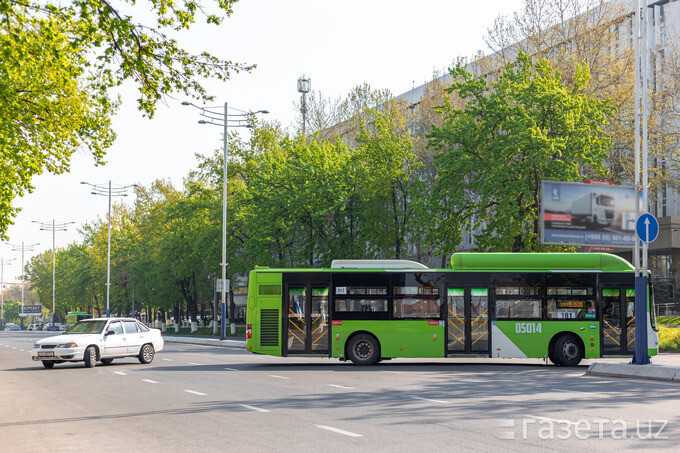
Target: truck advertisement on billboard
x: 587, y: 214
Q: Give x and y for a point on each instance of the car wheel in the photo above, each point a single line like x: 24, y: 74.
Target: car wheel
x: 146, y: 353
x: 568, y: 350
x: 106, y: 361
x: 90, y: 357
x: 364, y: 350
x: 48, y: 364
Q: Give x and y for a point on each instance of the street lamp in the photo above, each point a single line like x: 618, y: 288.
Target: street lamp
x: 44, y: 226
x: 217, y: 118
x: 23, y: 247
x: 120, y: 191
x: 3, y: 261
x: 304, y: 84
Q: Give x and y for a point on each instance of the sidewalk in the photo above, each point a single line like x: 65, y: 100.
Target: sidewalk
x: 235, y: 342
x: 664, y: 367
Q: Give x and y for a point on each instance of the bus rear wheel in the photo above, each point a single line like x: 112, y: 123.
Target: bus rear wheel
x: 568, y: 351
x: 364, y: 350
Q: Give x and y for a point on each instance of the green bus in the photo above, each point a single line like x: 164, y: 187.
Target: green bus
x: 561, y: 306
x: 74, y: 316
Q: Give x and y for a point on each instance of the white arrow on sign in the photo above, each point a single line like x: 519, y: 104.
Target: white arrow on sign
x: 646, y: 229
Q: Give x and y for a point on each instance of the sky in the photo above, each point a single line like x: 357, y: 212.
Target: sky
x: 389, y: 44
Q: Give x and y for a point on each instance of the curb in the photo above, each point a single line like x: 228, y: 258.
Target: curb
x: 627, y: 370
x: 237, y: 344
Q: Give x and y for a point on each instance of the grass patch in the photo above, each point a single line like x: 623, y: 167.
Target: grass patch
x: 668, y: 320
x: 669, y: 339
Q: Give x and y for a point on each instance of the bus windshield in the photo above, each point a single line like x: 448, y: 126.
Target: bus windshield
x: 87, y: 327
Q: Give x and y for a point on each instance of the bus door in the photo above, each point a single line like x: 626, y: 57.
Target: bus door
x: 618, y: 321
x: 307, y: 320
x: 467, y: 321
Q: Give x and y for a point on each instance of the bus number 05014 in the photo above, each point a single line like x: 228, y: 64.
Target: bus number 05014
x: 528, y: 327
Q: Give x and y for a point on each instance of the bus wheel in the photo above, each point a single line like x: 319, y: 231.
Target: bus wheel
x: 568, y: 350
x: 553, y: 359
x: 364, y: 350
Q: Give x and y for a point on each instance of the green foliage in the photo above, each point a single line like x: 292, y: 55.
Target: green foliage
x: 528, y: 126
x: 668, y: 320
x: 58, y: 61
x: 669, y: 339
x: 12, y: 308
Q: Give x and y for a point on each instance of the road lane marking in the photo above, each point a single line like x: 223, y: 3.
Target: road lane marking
x: 168, y: 360
x: 150, y: 381
x: 196, y: 393
x: 472, y: 381
x: 20, y: 349
x: 120, y: 372
x: 231, y: 369
x: 194, y: 363
x: 253, y: 408
x: 339, y: 431
x: 13, y: 347
x: 573, y: 391
x: 395, y: 372
x: 278, y: 377
x: 430, y: 400
x: 340, y: 386
x: 553, y: 420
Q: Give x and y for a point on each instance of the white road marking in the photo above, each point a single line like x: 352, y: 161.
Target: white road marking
x: 196, y: 393
x: 552, y: 420
x: 340, y: 386
x: 253, y: 408
x: 231, y: 369
x: 573, y: 391
x: 278, y: 377
x: 13, y: 347
x: 395, y: 372
x: 430, y: 400
x: 473, y: 381
x: 339, y: 431
x: 150, y: 381
x: 120, y: 372
x: 168, y: 360
x: 194, y: 363
x: 20, y: 349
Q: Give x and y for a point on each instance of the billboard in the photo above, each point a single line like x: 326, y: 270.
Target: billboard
x: 31, y: 310
x: 587, y: 214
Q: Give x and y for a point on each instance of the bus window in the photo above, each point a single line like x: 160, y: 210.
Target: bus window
x: 517, y: 302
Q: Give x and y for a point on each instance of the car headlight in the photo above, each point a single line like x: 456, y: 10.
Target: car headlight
x: 36, y: 346
x: 67, y: 345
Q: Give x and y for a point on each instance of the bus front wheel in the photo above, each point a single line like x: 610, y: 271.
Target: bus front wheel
x: 568, y: 350
x: 364, y: 349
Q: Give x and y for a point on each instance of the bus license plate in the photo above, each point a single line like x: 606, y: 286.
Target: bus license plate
x: 46, y: 354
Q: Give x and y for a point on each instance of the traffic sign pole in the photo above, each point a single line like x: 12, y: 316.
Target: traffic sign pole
x: 647, y: 230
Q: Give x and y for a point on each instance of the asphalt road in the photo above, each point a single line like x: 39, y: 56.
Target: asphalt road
x: 202, y: 398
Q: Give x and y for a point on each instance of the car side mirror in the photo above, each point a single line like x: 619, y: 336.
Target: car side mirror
x: 110, y: 332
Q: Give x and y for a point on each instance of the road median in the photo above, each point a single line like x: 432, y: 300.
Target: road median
x: 231, y: 343
x: 627, y: 370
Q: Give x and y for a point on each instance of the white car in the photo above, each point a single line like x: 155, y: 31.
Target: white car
x: 99, y: 339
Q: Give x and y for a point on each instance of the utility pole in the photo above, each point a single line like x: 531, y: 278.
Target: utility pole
x: 304, y: 84
x: 44, y: 226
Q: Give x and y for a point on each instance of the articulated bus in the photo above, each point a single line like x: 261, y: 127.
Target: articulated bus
x: 561, y: 306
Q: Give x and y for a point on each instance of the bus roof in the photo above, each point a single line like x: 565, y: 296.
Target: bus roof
x: 544, y: 262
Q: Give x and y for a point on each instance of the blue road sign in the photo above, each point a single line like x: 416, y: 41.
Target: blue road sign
x: 647, y: 228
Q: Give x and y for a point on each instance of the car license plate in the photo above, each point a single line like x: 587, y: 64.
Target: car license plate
x: 46, y: 354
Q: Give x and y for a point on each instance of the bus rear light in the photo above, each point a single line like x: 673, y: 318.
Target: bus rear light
x: 249, y: 331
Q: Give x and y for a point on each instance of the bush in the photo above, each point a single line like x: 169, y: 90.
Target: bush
x: 668, y: 320
x: 669, y: 339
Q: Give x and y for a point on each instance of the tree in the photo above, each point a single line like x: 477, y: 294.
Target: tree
x: 58, y: 62
x: 510, y: 134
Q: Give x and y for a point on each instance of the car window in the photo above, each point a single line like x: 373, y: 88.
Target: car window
x: 116, y: 326
x: 86, y: 327
x: 141, y: 327
x: 130, y: 327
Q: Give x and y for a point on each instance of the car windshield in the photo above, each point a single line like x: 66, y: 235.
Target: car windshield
x: 87, y: 327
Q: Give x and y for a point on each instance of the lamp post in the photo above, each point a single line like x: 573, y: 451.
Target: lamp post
x: 23, y: 247
x: 44, y: 226
x: 3, y: 261
x: 304, y: 84
x: 217, y: 118
x: 110, y: 191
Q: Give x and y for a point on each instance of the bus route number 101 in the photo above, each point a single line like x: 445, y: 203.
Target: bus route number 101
x: 528, y: 327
